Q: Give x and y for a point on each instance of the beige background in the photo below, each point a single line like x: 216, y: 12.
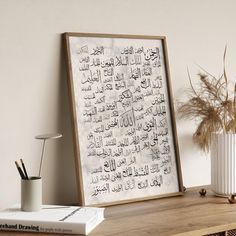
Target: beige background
x: 33, y: 90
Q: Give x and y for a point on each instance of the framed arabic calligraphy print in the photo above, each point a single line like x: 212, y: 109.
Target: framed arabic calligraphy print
x: 123, y: 118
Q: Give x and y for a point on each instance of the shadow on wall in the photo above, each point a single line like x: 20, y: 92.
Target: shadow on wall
x: 65, y: 181
x: 186, y: 141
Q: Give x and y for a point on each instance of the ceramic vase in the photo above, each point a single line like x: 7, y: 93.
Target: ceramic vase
x: 223, y: 164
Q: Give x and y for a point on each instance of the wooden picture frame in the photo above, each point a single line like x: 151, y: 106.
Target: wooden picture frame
x: 124, y: 128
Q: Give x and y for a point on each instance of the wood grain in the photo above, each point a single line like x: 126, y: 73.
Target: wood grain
x: 188, y: 215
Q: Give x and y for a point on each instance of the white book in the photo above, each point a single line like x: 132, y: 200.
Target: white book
x: 52, y: 219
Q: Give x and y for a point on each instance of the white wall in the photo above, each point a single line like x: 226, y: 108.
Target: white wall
x: 33, y: 91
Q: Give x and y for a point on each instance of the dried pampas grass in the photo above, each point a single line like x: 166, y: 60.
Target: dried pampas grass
x: 212, y: 104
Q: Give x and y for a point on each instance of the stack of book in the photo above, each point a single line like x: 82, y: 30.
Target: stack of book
x: 52, y: 219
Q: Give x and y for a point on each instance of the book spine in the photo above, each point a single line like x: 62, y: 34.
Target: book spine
x: 43, y: 227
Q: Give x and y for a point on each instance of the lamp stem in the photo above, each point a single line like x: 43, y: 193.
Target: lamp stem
x: 42, y: 157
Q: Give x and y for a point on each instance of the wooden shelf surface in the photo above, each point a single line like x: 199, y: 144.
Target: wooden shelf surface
x: 187, y: 215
